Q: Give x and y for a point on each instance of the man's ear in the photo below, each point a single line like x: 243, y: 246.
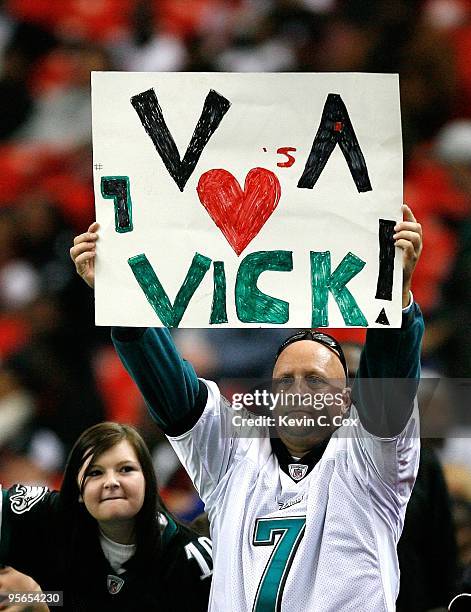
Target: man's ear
x: 346, y: 400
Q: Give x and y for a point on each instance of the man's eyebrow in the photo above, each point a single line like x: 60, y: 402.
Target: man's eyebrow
x: 315, y: 371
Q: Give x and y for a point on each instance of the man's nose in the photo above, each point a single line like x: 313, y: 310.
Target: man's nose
x: 299, y: 385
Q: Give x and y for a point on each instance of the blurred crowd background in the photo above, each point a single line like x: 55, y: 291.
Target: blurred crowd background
x: 58, y: 373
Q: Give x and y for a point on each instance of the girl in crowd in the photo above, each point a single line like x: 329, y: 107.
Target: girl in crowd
x: 106, y: 539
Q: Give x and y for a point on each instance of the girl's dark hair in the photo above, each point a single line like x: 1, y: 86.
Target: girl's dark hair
x: 79, y: 525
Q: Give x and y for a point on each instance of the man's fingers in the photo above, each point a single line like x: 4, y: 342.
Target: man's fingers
x: 84, y: 257
x: 86, y: 237
x: 408, y: 225
x: 83, y: 253
x: 413, y: 237
x: 80, y: 248
x: 407, y: 213
x: 406, y: 246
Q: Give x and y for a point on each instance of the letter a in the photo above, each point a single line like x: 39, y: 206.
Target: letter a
x: 335, y: 128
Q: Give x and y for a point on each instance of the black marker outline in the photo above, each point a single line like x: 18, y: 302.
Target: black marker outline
x: 150, y: 113
x: 118, y: 189
x: 335, y: 115
x: 387, y: 253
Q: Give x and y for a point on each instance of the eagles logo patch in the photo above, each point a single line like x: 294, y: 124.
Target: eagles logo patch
x: 114, y: 584
x: 297, y: 471
x: 26, y: 497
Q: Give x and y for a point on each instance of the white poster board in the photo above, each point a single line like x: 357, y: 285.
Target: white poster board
x: 247, y: 200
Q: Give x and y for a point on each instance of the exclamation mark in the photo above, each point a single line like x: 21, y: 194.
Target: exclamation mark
x: 386, y: 266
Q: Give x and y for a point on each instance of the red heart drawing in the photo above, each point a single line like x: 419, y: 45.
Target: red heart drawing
x: 240, y: 215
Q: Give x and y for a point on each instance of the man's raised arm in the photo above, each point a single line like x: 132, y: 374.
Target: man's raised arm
x: 389, y: 371
x: 168, y: 383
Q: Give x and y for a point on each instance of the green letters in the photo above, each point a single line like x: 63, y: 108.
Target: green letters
x: 156, y: 294
x: 218, y: 308
x: 323, y: 281
x: 252, y: 305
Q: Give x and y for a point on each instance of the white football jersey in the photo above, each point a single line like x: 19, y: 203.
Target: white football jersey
x: 323, y: 543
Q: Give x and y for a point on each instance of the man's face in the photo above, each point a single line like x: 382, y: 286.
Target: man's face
x: 310, y: 381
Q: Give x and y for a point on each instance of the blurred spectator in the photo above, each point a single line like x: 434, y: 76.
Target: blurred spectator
x: 62, y: 116
x: 22, y: 45
x: 55, y: 367
x: 231, y: 353
x: 148, y: 48
x: 16, y: 409
x: 427, y: 548
x: 459, y: 481
x: 449, y: 334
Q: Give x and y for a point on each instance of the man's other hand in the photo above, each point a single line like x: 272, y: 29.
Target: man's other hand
x: 408, y: 237
x: 83, y: 254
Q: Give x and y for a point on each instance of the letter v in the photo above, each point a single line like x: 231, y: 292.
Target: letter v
x: 156, y: 294
x: 148, y: 109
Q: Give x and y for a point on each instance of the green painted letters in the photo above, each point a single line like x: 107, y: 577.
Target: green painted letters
x: 252, y: 305
x: 156, y: 294
x: 218, y: 308
x: 323, y: 281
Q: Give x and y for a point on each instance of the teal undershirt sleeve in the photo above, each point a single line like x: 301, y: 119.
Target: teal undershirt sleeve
x: 174, y: 395
x: 388, y: 375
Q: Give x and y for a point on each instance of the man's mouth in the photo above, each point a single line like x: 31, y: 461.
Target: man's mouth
x: 299, y: 411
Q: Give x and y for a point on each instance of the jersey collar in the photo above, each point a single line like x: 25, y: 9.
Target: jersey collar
x: 287, y: 463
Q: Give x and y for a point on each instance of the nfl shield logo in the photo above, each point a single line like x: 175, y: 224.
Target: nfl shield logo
x: 297, y: 471
x: 114, y: 584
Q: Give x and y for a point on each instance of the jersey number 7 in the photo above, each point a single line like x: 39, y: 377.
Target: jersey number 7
x: 290, y: 531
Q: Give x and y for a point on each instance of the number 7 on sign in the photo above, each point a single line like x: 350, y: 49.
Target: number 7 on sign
x: 290, y: 531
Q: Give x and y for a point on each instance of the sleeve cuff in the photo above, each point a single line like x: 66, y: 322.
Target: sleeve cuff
x: 410, y: 313
x: 127, y: 334
x: 408, y: 308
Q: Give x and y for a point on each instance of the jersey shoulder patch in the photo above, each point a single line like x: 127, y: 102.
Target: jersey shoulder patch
x: 25, y: 497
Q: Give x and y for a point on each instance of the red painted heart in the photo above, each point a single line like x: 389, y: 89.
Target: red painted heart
x: 240, y: 215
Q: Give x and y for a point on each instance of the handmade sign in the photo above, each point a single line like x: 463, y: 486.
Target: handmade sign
x: 247, y: 200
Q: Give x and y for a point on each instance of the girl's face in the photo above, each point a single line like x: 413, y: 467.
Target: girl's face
x: 114, y: 487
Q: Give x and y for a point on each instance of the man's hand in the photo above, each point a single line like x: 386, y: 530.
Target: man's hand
x: 12, y: 581
x: 408, y: 237
x: 83, y: 254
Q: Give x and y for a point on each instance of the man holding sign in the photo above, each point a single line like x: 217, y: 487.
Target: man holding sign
x: 310, y: 521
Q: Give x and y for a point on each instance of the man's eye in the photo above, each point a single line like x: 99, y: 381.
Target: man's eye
x: 315, y: 381
x: 286, y: 380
